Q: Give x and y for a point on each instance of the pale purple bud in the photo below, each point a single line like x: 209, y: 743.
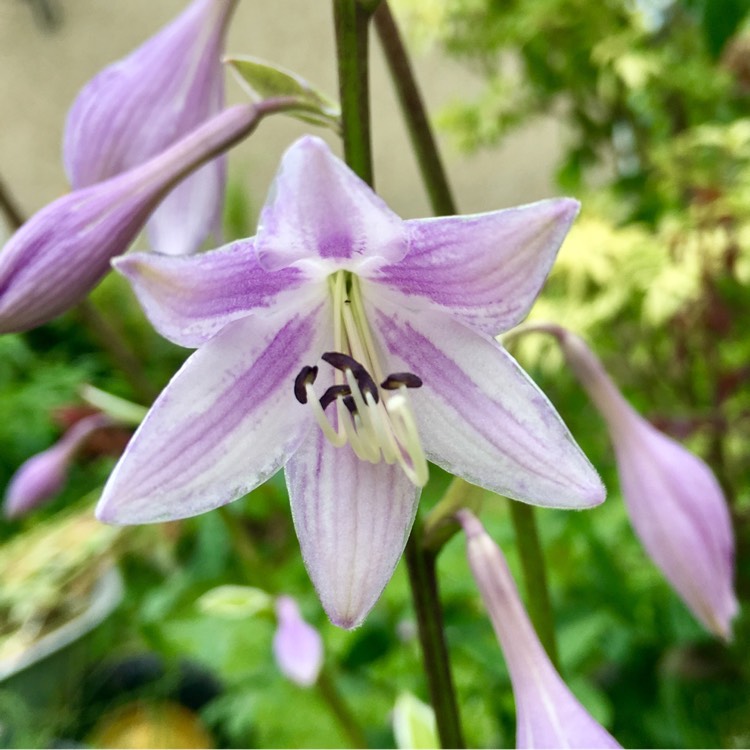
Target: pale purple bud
x: 42, y: 477
x: 675, y: 503
x: 297, y: 645
x: 547, y: 713
x: 139, y: 106
x: 63, y: 251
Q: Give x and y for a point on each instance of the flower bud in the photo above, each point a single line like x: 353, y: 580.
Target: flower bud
x: 675, y: 503
x: 64, y: 250
x: 547, y: 713
x: 297, y: 645
x: 172, y: 83
x: 43, y: 476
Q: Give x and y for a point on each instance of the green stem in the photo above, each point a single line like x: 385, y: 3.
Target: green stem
x: 351, y: 41
x: 421, y: 564
x: 352, y: 21
x: 340, y: 710
x: 535, y: 576
x: 414, y: 111
x: 9, y: 208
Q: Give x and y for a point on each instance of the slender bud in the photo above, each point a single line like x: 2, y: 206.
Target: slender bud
x: 297, y: 645
x: 547, y: 713
x: 414, y: 724
x: 171, y: 84
x: 675, y: 503
x: 64, y: 250
x: 43, y: 476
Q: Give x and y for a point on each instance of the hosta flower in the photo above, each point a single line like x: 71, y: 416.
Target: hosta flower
x: 139, y: 106
x: 548, y: 715
x: 349, y: 346
x: 43, y: 476
x: 63, y: 251
x: 297, y: 645
x: 675, y: 504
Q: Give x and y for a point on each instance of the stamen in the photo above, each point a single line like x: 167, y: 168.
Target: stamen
x: 395, y: 380
x: 344, y: 362
x: 306, y: 377
x: 335, y: 438
x: 332, y: 394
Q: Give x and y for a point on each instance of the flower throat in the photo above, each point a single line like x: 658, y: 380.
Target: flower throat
x: 372, y: 410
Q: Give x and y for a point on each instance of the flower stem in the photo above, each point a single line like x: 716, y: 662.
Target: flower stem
x: 421, y: 564
x: 9, y: 208
x: 535, y: 575
x: 352, y: 20
x: 415, y: 113
x: 331, y: 695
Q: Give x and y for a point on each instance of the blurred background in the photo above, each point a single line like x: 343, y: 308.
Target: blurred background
x: 642, y: 111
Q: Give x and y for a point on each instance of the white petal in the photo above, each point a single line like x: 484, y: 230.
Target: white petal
x: 479, y: 415
x: 352, y: 520
x: 226, y: 422
x: 485, y: 270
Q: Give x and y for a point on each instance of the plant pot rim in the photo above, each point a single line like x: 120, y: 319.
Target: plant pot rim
x: 106, y: 594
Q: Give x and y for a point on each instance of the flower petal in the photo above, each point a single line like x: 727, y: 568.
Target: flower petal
x: 485, y: 270
x: 352, y: 520
x: 297, y: 645
x: 189, y: 299
x: 226, y: 422
x: 319, y: 210
x: 479, y: 415
x: 548, y: 715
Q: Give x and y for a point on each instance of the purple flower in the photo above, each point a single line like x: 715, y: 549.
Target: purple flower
x: 43, y: 476
x: 674, y: 501
x: 548, y: 715
x: 139, y: 106
x: 297, y: 645
x: 63, y: 251
x: 349, y: 346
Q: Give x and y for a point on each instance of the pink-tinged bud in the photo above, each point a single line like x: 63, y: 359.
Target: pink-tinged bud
x: 674, y: 501
x: 64, y: 250
x: 43, y: 476
x: 548, y: 715
x: 139, y: 106
x: 297, y: 645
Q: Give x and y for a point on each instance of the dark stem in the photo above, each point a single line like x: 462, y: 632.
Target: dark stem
x: 338, y: 707
x: 421, y: 564
x: 352, y: 21
x: 10, y: 208
x: 415, y: 113
x: 122, y: 356
x: 535, y: 575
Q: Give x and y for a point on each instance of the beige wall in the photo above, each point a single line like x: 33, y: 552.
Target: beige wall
x: 40, y: 73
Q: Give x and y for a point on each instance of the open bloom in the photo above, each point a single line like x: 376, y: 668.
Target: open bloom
x: 349, y: 346
x: 63, y: 251
x: 43, y: 476
x: 297, y: 645
x: 675, y: 504
x: 548, y: 715
x: 171, y: 84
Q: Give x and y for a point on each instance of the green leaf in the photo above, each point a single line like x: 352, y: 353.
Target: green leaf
x: 235, y: 602
x: 264, y: 80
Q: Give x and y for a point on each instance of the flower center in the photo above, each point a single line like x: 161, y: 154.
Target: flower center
x: 372, y: 411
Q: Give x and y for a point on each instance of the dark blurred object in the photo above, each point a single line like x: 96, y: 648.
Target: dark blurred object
x: 47, y: 13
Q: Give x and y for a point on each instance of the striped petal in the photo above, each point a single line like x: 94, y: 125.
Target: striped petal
x: 479, y: 415
x: 172, y: 83
x: 189, y: 299
x: 485, y: 270
x: 320, y: 210
x: 226, y: 422
x: 352, y: 519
